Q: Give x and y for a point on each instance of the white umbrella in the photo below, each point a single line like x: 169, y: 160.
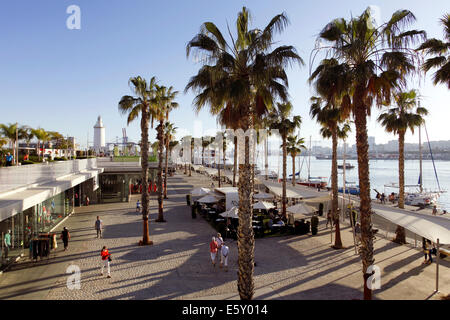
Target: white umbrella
x: 263, y: 205
x: 208, y: 199
x: 232, y: 213
x: 200, y: 192
x: 263, y: 195
x: 301, y: 208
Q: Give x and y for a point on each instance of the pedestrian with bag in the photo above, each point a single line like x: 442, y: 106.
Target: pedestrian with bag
x: 106, y: 259
x: 65, y: 236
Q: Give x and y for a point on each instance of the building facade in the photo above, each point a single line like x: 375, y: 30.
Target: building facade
x: 34, y: 199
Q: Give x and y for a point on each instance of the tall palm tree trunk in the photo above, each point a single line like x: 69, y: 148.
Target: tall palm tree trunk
x: 266, y: 158
x: 224, y: 159
x: 166, y: 168
x: 160, y: 172
x: 293, y: 170
x: 334, y: 182
x: 400, y: 234
x: 144, y: 165
x: 218, y: 168
x: 191, y: 161
x: 203, y: 155
x: 283, y: 194
x: 235, y: 161
x: 362, y: 146
x: 246, y: 240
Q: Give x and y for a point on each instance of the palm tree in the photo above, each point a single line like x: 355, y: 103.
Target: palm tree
x: 13, y: 133
x: 165, y: 103
x: 331, y: 81
x: 206, y: 142
x: 278, y: 119
x: 378, y: 58
x: 245, y: 76
x: 28, y: 136
x: 170, y: 134
x: 440, y: 50
x: 329, y: 118
x: 41, y: 136
x: 294, y: 146
x: 397, y: 120
x: 142, y: 103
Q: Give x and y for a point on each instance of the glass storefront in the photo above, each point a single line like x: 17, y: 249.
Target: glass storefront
x: 118, y: 187
x: 12, y: 234
x: 18, y: 231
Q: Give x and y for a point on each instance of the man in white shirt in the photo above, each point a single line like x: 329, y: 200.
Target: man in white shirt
x: 219, y: 241
x: 224, y: 255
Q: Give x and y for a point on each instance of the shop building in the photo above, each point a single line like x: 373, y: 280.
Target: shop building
x: 34, y: 199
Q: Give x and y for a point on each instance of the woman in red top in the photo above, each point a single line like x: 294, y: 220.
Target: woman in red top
x: 213, y: 246
x: 106, y: 256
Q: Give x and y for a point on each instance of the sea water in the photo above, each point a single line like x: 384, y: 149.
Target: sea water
x: 381, y: 172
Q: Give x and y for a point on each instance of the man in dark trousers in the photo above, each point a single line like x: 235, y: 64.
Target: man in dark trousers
x: 99, y: 227
x: 65, y: 236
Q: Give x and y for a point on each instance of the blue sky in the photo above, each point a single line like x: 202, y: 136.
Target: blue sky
x: 61, y: 79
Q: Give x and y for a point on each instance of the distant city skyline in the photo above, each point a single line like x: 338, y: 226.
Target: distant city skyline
x: 62, y: 80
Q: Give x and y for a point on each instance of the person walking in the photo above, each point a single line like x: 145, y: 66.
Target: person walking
x: 9, y: 159
x: 106, y: 259
x: 65, y: 236
x: 225, y: 250
x: 7, y: 243
x: 99, y: 227
x: 434, y: 212
x: 329, y: 219
x: 87, y: 201
x: 426, y: 245
x: 219, y: 241
x: 383, y: 198
x: 213, y: 247
x: 138, y: 206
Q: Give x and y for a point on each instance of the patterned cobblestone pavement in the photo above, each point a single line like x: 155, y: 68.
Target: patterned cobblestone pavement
x: 178, y: 266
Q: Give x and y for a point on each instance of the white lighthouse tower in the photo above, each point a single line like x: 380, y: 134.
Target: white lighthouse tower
x: 99, y: 136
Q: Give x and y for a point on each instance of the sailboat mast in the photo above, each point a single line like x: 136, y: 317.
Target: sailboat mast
x: 420, y: 157
x: 309, y: 164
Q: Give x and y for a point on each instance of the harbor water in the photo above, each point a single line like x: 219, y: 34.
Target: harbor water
x: 382, y: 172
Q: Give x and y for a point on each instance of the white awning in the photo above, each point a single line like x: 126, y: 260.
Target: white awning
x: 262, y: 205
x: 263, y: 195
x: 208, y: 199
x: 277, y: 189
x: 232, y: 213
x: 301, y: 208
x: 200, y: 192
x: 429, y: 227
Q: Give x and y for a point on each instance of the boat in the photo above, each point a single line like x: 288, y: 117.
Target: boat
x: 420, y: 197
x: 314, y: 182
x: 415, y: 195
x: 347, y: 166
x: 350, y: 188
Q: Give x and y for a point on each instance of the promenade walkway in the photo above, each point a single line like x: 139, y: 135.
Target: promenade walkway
x: 178, y: 266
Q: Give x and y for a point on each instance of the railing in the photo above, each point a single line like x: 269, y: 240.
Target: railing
x: 21, y: 176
